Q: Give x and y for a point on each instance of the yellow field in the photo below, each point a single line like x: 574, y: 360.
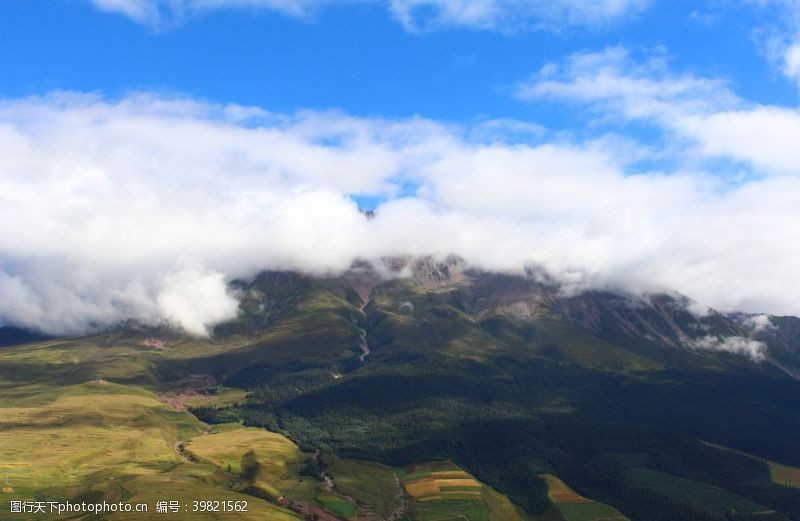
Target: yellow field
x: 784, y: 474
x: 426, y: 488
x: 442, y: 484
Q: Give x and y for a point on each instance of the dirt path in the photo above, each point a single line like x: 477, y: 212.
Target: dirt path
x: 179, y: 450
x: 403, y: 508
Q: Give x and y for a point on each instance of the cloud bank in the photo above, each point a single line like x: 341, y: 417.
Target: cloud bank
x: 414, y: 15
x: 143, y: 207
x: 733, y: 344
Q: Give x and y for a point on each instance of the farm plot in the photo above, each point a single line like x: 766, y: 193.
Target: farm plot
x: 441, y: 491
x: 574, y: 507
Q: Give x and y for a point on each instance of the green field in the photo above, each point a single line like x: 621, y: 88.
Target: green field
x: 367, y: 482
x: 337, y: 505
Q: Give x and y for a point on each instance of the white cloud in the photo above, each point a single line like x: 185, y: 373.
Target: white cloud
x: 758, y: 323
x: 415, y: 15
x: 781, y: 43
x: 732, y: 344
x: 700, y: 114
x: 510, y: 15
x: 193, y: 298
x: 101, y: 201
x: 615, y: 83
x: 161, y: 13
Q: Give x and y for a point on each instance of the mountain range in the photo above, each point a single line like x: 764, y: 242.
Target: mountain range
x: 421, y: 388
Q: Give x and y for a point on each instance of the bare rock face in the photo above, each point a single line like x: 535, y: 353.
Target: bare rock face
x: 517, y: 296
x: 433, y: 274
x: 363, y: 277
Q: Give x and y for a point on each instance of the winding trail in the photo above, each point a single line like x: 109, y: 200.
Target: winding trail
x: 330, y: 487
x: 403, y: 508
x: 181, y: 452
x: 362, y: 333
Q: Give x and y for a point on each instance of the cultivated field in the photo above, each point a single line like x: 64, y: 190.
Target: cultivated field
x: 441, y: 491
x: 574, y: 507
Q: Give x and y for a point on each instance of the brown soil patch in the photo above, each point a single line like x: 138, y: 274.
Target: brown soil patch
x: 193, y: 386
x: 307, y: 510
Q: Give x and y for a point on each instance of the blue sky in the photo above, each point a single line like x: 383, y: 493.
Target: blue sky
x: 359, y: 58
x: 152, y: 150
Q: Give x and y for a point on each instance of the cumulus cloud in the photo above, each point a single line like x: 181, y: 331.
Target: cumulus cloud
x: 702, y: 114
x: 414, y: 15
x: 733, y: 344
x: 193, y: 298
x: 142, y: 207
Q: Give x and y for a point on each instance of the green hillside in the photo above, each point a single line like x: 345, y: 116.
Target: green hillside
x: 317, y: 402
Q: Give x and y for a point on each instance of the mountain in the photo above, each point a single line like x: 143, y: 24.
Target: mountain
x: 418, y: 388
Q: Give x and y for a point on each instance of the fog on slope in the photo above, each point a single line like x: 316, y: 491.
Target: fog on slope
x: 143, y: 208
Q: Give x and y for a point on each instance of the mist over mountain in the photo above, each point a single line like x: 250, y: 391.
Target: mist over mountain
x: 107, y: 217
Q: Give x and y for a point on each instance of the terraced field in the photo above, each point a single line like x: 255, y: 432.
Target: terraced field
x: 441, y: 491
x: 574, y: 507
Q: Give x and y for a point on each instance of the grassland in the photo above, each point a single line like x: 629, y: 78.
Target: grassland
x: 224, y: 397
x: 337, y: 505
x: 574, y: 507
x: 505, y: 397
x: 699, y: 495
x: 780, y: 474
x: 107, y: 417
x: 367, y: 482
x: 105, y: 441
x: 266, y: 460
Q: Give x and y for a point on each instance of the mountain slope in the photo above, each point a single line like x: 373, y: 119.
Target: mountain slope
x: 625, y: 399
